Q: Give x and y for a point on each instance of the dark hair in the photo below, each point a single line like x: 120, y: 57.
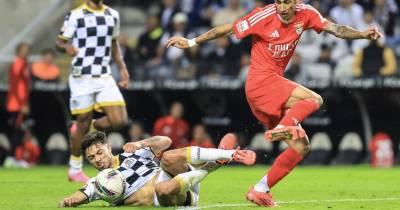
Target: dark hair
x: 20, y: 46
x: 48, y: 51
x: 92, y: 139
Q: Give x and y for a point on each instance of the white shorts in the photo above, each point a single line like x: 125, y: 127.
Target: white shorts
x: 88, y: 93
x: 194, y: 191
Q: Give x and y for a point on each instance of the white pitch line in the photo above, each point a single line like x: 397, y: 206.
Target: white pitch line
x: 292, y: 202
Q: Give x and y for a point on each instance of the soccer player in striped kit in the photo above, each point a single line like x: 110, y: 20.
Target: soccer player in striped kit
x: 89, y: 35
x: 174, y: 183
x: 277, y: 102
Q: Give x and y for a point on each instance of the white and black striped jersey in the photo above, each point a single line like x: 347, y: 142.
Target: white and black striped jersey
x: 137, y: 168
x: 92, y: 32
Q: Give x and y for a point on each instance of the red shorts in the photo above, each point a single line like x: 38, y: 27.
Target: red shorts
x: 267, y: 95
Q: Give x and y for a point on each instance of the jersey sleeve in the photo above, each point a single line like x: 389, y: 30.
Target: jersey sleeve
x: 69, y: 27
x: 315, y: 19
x: 145, y: 152
x: 116, y: 26
x: 249, y: 24
x: 90, y: 190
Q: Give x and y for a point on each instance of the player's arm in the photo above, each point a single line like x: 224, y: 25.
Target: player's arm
x: 64, y: 46
x: 66, y: 33
x: 214, y: 33
x: 117, y: 56
x: 156, y: 143
x: 74, y: 200
x: 347, y: 32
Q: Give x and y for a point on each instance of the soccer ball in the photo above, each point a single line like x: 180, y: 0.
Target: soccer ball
x: 110, y: 185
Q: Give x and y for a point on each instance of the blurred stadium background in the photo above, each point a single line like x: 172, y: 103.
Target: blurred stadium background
x: 358, y: 80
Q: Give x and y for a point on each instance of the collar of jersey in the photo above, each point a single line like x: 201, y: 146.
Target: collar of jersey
x: 85, y: 6
x: 115, y: 162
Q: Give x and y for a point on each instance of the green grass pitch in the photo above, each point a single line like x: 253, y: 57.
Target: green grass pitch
x: 306, y: 188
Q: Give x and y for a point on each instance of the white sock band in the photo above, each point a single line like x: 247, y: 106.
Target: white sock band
x: 262, y: 186
x: 75, y: 163
x: 200, y: 155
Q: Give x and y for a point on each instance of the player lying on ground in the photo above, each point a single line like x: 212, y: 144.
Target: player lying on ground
x: 176, y: 183
x: 278, y: 103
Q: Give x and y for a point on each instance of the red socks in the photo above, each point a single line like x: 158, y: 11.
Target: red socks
x: 283, y: 164
x: 299, y: 112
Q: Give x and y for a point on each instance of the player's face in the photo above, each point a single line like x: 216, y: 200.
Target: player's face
x: 177, y: 110
x: 100, y: 156
x: 286, y: 8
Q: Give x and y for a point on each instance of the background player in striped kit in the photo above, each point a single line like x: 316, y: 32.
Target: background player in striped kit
x: 93, y: 28
x: 176, y: 183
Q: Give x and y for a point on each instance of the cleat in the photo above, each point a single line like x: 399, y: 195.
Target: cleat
x: 77, y: 177
x: 285, y: 133
x: 260, y: 198
x: 227, y: 143
x: 246, y: 157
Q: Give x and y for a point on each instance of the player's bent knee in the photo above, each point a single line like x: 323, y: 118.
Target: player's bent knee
x: 167, y: 159
x: 171, y: 157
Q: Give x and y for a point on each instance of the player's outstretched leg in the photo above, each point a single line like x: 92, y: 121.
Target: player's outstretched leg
x: 198, y: 155
x: 176, y: 161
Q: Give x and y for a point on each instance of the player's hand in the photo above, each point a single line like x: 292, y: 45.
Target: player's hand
x: 68, y: 202
x: 61, y: 204
x: 179, y: 42
x: 372, y: 33
x: 71, y: 51
x: 124, y: 83
x: 131, y: 147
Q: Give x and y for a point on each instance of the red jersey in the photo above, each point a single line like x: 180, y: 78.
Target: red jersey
x: 273, y: 40
x: 18, y: 85
x: 176, y: 129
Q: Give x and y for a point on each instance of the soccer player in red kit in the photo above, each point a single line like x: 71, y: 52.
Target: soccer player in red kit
x: 278, y: 103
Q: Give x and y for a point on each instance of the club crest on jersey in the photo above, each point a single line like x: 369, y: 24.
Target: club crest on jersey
x: 299, y: 27
x: 129, y: 163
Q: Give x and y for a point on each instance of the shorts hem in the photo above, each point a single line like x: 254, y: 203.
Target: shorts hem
x: 82, y: 111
